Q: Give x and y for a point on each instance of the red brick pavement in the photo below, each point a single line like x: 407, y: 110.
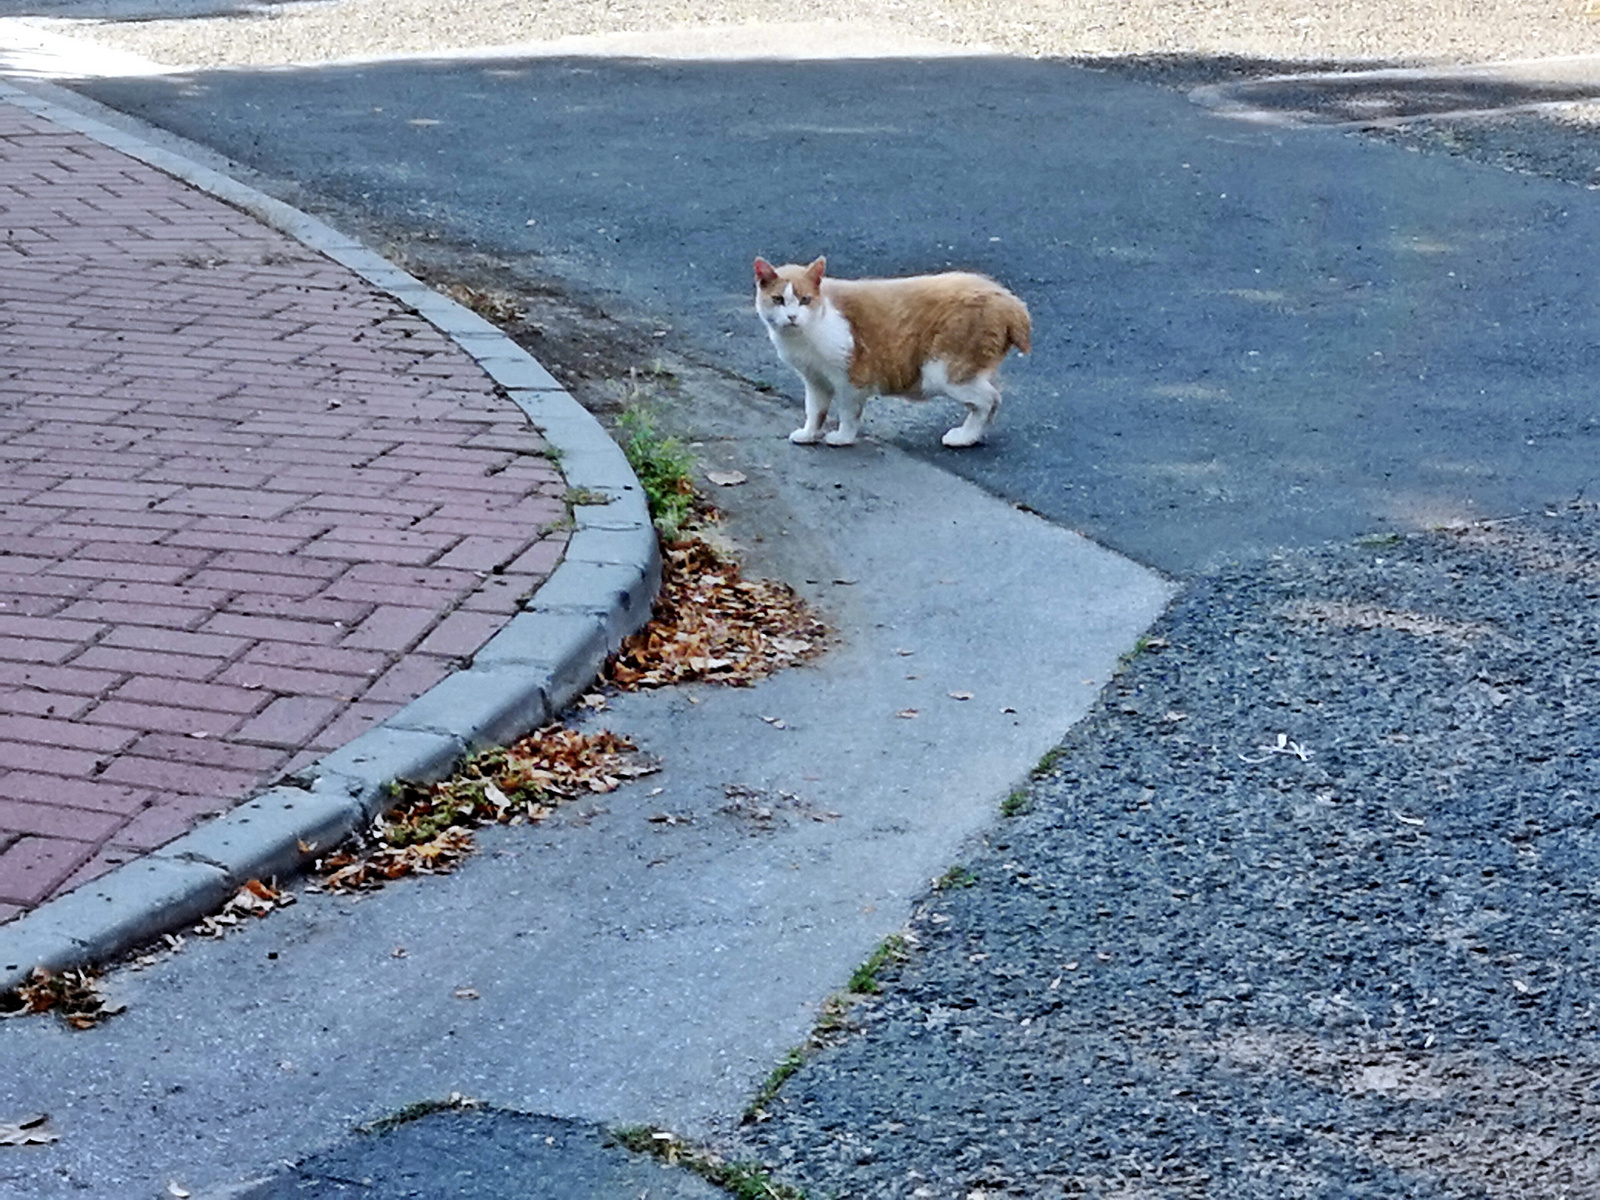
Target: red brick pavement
x: 248, y: 507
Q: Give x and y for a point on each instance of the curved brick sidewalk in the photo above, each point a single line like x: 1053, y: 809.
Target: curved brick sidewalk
x: 249, y: 506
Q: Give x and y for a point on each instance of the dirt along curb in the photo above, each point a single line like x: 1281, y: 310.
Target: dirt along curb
x: 529, y: 671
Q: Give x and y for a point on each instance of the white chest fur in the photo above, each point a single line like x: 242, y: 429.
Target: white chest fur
x: 819, y: 347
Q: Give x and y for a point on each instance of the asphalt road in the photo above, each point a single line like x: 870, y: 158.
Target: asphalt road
x: 1246, y: 338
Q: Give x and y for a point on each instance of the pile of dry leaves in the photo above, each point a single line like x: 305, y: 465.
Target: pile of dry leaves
x: 710, y: 623
x: 428, y: 831
x: 73, y: 995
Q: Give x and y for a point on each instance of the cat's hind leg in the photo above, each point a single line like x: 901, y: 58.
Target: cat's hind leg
x: 819, y: 397
x: 850, y: 405
x: 981, y: 397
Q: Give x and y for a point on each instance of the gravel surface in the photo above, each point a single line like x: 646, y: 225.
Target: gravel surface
x: 1309, y: 908
x: 1297, y: 30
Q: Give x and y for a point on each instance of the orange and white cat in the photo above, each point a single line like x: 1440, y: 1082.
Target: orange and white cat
x: 918, y: 337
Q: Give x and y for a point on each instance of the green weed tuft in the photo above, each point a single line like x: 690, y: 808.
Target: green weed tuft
x: 864, y: 980
x: 665, y: 468
x: 955, y: 877
x: 744, y: 1181
x: 777, y: 1077
x: 1048, y: 762
x: 582, y: 495
x: 1016, y: 804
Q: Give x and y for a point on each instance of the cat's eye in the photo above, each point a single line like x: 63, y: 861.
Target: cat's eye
x: 777, y: 301
x: 805, y: 299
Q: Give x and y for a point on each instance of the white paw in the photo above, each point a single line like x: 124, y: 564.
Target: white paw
x: 806, y: 437
x: 840, y: 438
x: 960, y: 437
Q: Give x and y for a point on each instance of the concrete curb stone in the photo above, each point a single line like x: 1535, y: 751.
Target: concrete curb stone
x: 526, y: 674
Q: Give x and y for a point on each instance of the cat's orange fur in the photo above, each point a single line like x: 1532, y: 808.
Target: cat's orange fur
x: 915, y: 337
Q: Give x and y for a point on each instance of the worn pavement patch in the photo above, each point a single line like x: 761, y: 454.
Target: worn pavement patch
x: 483, y: 1155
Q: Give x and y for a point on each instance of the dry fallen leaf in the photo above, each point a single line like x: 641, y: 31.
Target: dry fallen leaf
x: 908, y: 713
x: 727, y: 478
x: 960, y: 695
x: 466, y: 993
x: 178, y: 1190
x: 31, y: 1130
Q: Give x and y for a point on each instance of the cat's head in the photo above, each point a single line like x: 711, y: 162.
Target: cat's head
x: 789, y: 298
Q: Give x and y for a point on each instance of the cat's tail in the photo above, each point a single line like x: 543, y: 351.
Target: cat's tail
x: 1019, y: 325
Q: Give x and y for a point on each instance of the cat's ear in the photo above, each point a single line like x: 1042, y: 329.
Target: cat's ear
x: 816, y: 270
x: 764, y: 271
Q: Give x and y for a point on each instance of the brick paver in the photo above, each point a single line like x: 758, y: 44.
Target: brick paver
x: 248, y: 507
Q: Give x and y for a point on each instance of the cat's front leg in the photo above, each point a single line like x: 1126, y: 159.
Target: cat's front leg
x: 819, y: 396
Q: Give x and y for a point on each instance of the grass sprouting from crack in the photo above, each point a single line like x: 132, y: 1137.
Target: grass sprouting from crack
x: 864, y: 979
x: 1048, y: 762
x: 1017, y: 803
x: 1145, y: 645
x: 777, y: 1077
x: 583, y: 495
x: 1020, y: 800
x: 454, y: 1102
x: 745, y: 1181
x: 956, y: 877
x: 833, y: 1022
